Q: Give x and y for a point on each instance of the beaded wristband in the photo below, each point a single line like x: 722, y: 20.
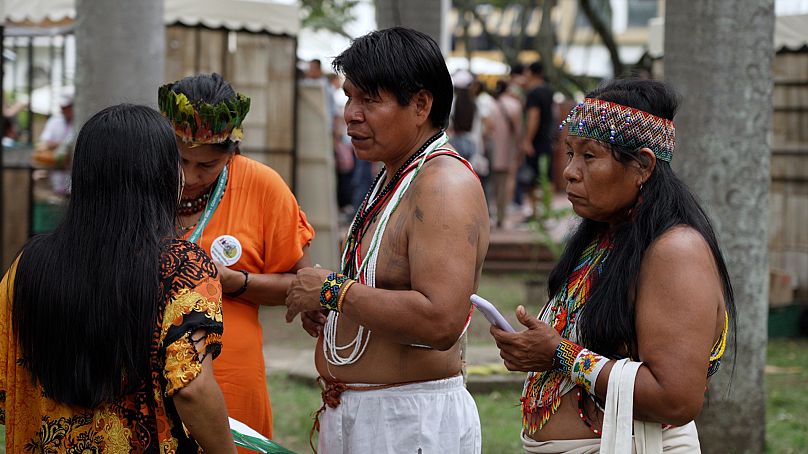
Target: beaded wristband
x: 243, y: 288
x: 342, y: 293
x: 329, y: 294
x: 586, y: 368
x: 565, y: 355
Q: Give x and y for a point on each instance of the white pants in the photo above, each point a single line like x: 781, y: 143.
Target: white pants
x: 675, y: 440
x: 435, y: 417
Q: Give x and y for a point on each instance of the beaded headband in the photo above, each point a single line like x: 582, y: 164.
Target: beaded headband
x: 621, y: 125
x: 203, y: 123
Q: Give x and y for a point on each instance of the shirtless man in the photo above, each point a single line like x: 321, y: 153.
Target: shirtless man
x: 415, y: 250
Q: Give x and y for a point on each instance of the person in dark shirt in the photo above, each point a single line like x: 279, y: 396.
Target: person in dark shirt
x: 539, y: 130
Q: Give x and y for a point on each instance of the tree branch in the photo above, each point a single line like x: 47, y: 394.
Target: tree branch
x: 511, y: 55
x: 605, y: 33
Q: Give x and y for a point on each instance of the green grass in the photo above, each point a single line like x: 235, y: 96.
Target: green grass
x: 786, y: 384
x: 294, y: 402
x: 500, y: 419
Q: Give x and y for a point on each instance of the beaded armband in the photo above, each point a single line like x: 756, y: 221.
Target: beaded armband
x: 330, y: 293
x: 565, y: 355
x: 585, y: 369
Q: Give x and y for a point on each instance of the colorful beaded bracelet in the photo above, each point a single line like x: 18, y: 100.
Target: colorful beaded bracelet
x: 585, y: 369
x: 565, y: 354
x: 329, y: 294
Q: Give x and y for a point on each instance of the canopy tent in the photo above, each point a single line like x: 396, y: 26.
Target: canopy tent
x: 252, y: 43
x: 790, y: 32
x: 202, y: 36
x: 235, y: 15
x: 479, y: 65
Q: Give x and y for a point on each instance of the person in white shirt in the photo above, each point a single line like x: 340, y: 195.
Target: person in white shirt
x: 54, y: 143
x: 59, y: 128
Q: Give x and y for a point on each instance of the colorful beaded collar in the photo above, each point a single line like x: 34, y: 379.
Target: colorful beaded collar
x: 203, y: 123
x: 623, y: 126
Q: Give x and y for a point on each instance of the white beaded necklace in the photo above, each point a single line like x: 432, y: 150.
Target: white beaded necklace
x: 367, y: 270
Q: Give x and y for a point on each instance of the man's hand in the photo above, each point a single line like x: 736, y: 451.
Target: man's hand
x: 304, y: 292
x: 527, y: 147
x: 531, y: 350
x: 314, y: 321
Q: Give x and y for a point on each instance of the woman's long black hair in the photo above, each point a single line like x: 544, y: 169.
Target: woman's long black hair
x: 607, y: 320
x: 86, y: 296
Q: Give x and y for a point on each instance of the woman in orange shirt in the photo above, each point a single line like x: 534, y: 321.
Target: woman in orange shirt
x: 245, y: 216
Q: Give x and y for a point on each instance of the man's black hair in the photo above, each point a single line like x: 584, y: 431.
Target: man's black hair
x: 517, y: 68
x: 403, y: 62
x: 536, y: 68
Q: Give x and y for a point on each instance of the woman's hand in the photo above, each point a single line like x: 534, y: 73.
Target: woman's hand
x: 231, y: 280
x: 304, y: 292
x: 531, y: 350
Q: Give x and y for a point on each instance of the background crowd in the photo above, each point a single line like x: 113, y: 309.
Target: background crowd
x: 505, y: 127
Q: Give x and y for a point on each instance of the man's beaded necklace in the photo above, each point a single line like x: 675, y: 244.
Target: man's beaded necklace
x: 368, y: 211
x: 383, y: 202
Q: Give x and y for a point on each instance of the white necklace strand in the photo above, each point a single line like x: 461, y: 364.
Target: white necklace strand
x: 360, y: 342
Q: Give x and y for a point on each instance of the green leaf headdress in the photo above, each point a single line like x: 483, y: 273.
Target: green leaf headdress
x: 203, y: 123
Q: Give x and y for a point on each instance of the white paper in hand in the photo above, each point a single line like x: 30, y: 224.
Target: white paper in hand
x: 491, y: 313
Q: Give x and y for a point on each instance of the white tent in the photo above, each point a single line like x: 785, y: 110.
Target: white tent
x: 791, y: 32
x: 250, y: 15
x: 479, y: 65
x: 235, y: 15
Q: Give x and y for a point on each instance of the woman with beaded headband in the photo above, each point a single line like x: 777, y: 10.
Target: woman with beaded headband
x: 245, y: 216
x: 640, y: 300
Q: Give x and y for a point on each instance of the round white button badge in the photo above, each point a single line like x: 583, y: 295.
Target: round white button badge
x: 226, y: 250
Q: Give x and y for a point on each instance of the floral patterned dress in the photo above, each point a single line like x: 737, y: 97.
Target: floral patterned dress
x: 142, y: 422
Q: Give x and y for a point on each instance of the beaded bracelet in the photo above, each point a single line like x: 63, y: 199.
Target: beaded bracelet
x: 243, y: 287
x: 565, y: 355
x: 342, y: 293
x: 329, y: 294
x: 585, y: 369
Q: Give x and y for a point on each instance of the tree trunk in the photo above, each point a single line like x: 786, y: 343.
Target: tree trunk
x: 120, y: 54
x: 428, y: 16
x: 720, y: 59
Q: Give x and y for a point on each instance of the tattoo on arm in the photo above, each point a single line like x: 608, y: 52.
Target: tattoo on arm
x: 473, y: 233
